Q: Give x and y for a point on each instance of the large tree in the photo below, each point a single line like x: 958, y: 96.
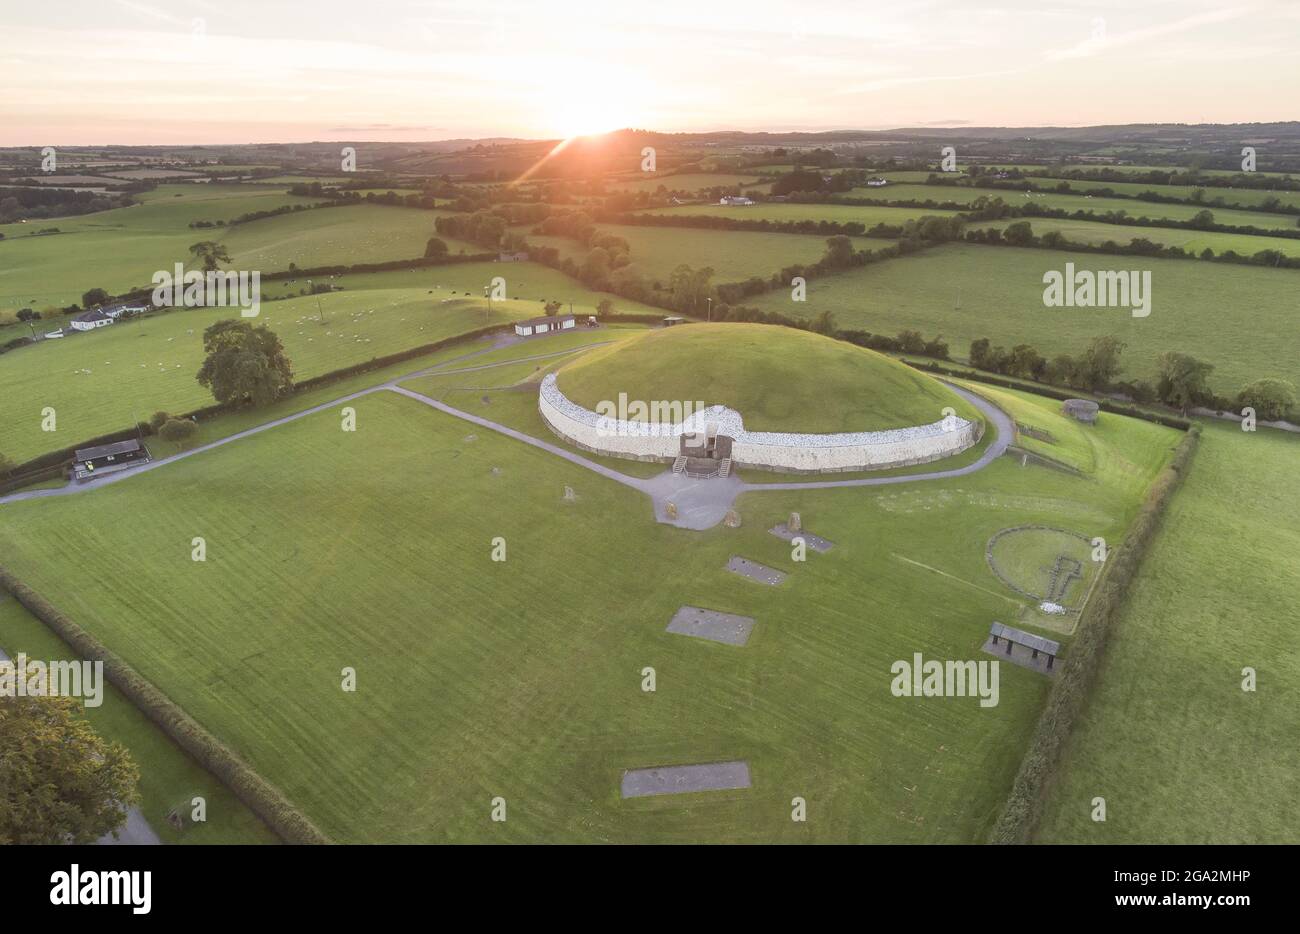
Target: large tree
x: 1271, y: 399
x: 210, y: 253
x: 1184, y: 380
x: 244, y: 363
x: 94, y: 297
x: 60, y: 782
x: 1100, y: 363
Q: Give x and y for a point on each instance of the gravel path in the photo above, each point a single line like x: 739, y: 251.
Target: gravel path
x: 701, y: 504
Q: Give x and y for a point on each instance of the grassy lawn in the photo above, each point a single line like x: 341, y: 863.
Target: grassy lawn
x: 779, y: 379
x: 1213, y: 311
x: 522, y: 678
x: 1178, y: 750
x: 114, y: 377
x: 168, y: 777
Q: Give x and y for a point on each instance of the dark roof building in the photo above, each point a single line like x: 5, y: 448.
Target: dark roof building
x: 108, y: 458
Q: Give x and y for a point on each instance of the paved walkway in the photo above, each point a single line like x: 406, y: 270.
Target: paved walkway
x: 701, y: 504
x: 100, y: 482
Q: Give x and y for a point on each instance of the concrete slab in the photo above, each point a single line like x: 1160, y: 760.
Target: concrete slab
x: 682, y: 779
x: 712, y: 625
x: 755, y: 571
x: 815, y: 542
x: 701, y: 504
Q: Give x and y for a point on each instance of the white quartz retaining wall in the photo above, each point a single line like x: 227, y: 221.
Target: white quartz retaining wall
x: 769, y: 450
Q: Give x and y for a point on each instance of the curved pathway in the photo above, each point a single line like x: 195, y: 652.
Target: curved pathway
x: 99, y: 482
x: 701, y: 504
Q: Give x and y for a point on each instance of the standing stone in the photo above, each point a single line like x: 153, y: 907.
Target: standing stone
x: 671, y: 510
x: 795, y: 524
x: 569, y: 495
x: 732, y: 521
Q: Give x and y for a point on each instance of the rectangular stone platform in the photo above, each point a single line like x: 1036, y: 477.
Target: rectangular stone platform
x: 682, y: 779
x: 815, y: 542
x: 755, y: 571
x: 712, y: 625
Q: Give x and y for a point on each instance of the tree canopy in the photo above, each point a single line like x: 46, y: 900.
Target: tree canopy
x: 244, y: 363
x: 60, y: 782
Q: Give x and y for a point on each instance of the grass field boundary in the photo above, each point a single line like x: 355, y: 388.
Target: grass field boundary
x: 1069, y: 694
x: 259, y: 795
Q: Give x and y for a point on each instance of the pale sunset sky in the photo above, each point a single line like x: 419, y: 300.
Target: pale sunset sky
x: 238, y: 71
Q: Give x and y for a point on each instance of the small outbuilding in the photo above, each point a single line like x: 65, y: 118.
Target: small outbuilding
x: 108, y: 458
x: 543, y: 325
x: 1081, y: 410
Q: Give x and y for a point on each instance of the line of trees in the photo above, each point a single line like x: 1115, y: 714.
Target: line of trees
x: 1182, y: 381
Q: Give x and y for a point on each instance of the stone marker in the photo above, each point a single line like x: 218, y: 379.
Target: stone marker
x: 815, y: 542
x: 755, y: 571
x: 796, y: 522
x: 680, y: 779
x: 712, y: 625
x: 569, y: 495
x: 495, y: 471
x: 732, y: 520
x: 671, y: 510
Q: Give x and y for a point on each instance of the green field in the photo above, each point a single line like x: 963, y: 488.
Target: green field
x: 120, y: 249
x: 1078, y: 202
x: 364, y: 233
x: 734, y: 254
x: 1194, y: 241
x: 785, y: 211
x: 1214, y: 311
x: 111, y: 378
x: 522, y: 679
x: 1178, y: 750
x: 530, y: 283
x: 766, y: 373
x: 168, y: 777
x: 691, y: 181
x: 1246, y: 196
